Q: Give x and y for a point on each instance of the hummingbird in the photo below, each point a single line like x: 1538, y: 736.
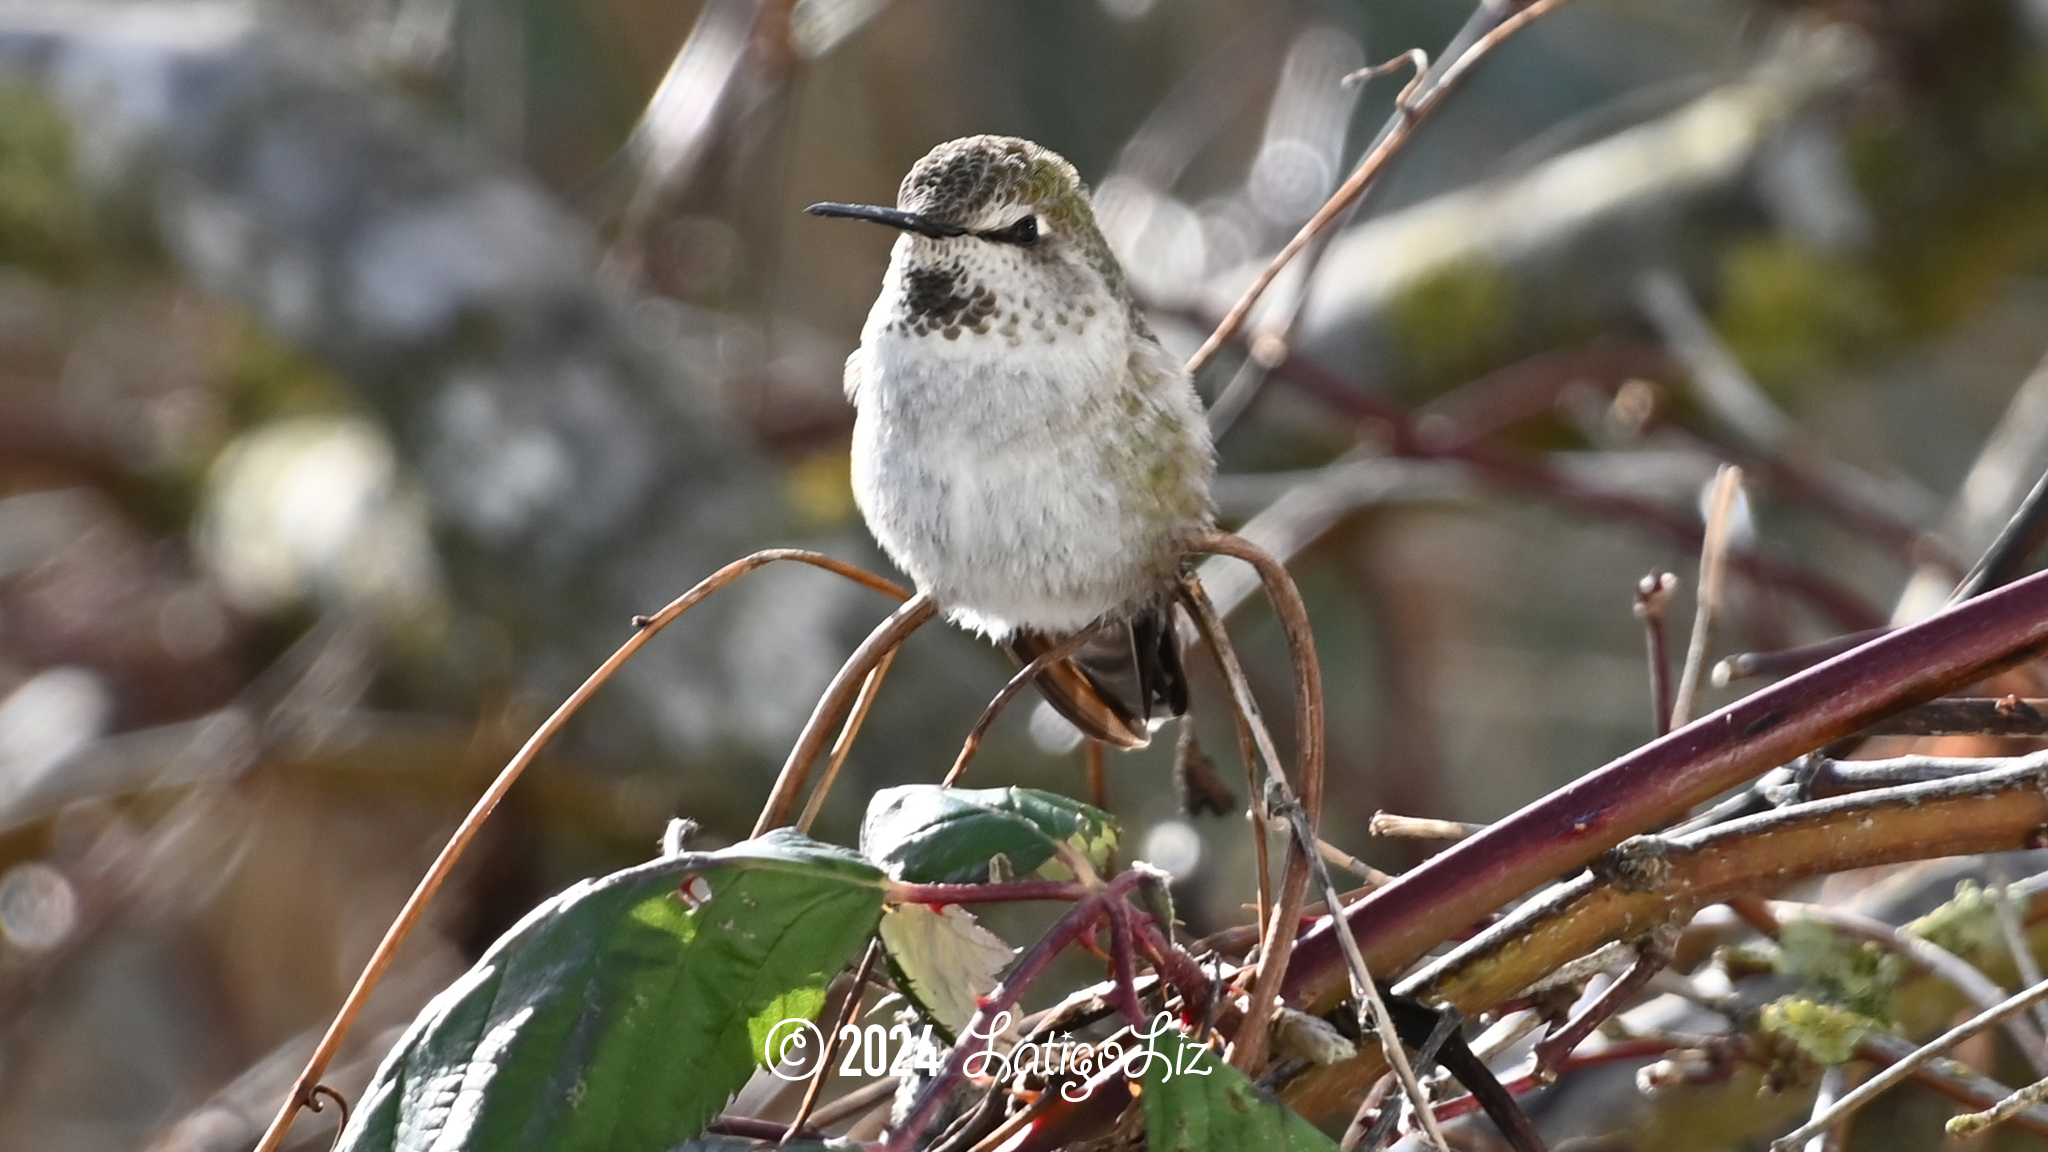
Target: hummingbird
x: 1023, y: 447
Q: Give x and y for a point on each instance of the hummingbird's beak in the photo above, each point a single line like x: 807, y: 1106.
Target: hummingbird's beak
x: 893, y: 217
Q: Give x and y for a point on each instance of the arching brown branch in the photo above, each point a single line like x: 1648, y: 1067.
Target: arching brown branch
x: 837, y: 699
x: 1408, y: 116
x: 1278, y: 942
x: 645, y: 628
x: 1024, y: 677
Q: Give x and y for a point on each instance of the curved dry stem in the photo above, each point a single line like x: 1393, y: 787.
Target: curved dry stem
x: 1209, y: 623
x: 869, y: 689
x: 1018, y: 683
x: 837, y: 698
x: 1408, y: 117
x: 1292, y: 613
x: 416, y: 904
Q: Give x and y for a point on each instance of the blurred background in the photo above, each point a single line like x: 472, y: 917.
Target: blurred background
x: 365, y: 365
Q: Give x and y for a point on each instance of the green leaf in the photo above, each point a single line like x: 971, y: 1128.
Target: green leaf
x: 1195, y: 1102
x: 925, y: 834
x: 624, y: 1013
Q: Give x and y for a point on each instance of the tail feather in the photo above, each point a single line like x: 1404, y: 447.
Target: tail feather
x: 1127, y: 675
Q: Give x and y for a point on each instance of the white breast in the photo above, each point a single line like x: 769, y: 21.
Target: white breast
x: 985, y: 466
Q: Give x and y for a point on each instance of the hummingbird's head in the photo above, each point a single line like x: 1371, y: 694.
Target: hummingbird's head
x: 989, y: 222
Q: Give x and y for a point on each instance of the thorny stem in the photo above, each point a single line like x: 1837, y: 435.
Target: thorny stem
x: 837, y: 698
x: 1078, y: 921
x: 645, y: 628
x: 1123, y: 990
x: 1015, y: 891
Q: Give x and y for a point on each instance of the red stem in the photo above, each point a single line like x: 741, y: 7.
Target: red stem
x: 1079, y: 920
x: 1661, y: 781
x: 938, y: 894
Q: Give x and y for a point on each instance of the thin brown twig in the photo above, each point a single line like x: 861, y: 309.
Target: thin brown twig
x: 1834, y: 1080
x: 1743, y: 665
x: 865, y: 1098
x: 645, y: 628
x: 1521, y: 472
x: 1968, y: 716
x: 1277, y: 931
x: 1393, y: 825
x: 1651, y: 958
x: 1372, y: 1009
x: 1713, y: 573
x: 837, y: 698
x: 1403, y: 128
x: 1247, y: 753
x: 1017, y: 684
x: 1950, y: 1078
x: 1277, y: 942
x: 1352, y: 864
x: 1653, y: 597
x: 841, y: 747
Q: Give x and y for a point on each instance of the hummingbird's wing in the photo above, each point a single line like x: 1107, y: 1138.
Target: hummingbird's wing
x: 1127, y: 675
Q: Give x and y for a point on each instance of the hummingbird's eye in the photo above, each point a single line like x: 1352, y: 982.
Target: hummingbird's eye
x: 1023, y: 233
